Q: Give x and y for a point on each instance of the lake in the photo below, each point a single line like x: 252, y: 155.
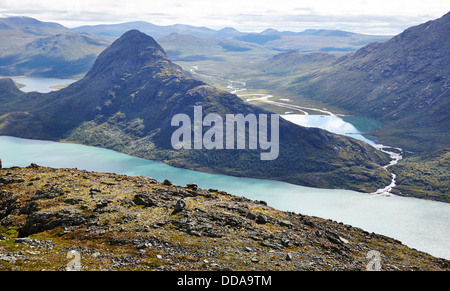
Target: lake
x: 420, y: 224
x: 43, y: 85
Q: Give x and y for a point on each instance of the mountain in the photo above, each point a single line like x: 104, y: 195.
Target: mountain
x: 311, y: 40
x: 126, y: 103
x: 402, y: 82
x: 44, y: 49
x: 115, y: 222
x: 188, y: 48
x: 157, y: 31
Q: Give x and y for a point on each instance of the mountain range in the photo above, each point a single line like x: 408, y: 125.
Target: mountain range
x: 126, y: 102
x: 306, y: 41
x: 157, y: 31
x: 31, y: 47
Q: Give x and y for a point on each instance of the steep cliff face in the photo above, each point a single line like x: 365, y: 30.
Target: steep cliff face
x: 127, y: 101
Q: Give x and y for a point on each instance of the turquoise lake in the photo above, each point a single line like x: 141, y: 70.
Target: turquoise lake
x: 420, y: 224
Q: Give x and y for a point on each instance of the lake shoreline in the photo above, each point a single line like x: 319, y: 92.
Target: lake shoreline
x: 419, y: 223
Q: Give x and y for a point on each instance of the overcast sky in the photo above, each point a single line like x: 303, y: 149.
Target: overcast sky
x: 365, y: 16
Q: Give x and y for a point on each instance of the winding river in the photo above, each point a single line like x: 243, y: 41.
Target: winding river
x: 325, y: 120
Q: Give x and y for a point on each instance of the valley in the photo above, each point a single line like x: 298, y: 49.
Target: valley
x: 270, y: 82
x: 360, y: 140
x: 330, y: 125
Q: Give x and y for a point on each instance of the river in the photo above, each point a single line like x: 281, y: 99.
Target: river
x: 323, y: 119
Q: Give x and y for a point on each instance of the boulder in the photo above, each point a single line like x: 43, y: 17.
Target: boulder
x: 179, y: 206
x: 261, y: 219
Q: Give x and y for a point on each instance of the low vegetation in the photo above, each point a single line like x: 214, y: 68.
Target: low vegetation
x: 59, y: 219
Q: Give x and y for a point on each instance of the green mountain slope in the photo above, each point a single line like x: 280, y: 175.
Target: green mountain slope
x: 126, y: 103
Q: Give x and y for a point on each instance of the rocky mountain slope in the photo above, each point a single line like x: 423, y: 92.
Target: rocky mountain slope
x: 126, y: 103
x: 58, y: 219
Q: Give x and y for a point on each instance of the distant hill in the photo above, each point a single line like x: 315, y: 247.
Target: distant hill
x: 189, y: 48
x: 22, y: 30
x: 312, y: 40
x: 126, y: 102
x: 157, y: 31
x: 44, y: 49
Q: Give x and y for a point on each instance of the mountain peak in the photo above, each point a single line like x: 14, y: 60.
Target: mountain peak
x: 132, y: 52
x: 137, y: 40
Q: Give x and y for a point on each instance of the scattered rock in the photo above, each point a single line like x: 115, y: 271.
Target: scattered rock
x: 167, y: 182
x: 179, y: 206
x: 261, y: 219
x: 94, y: 191
x: 144, y: 199
x: 23, y: 240
x: 192, y: 186
x: 343, y: 240
x: 251, y: 216
x: 288, y: 257
x: 73, y: 201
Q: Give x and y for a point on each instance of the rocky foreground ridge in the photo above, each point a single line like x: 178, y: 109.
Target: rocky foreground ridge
x: 51, y: 217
